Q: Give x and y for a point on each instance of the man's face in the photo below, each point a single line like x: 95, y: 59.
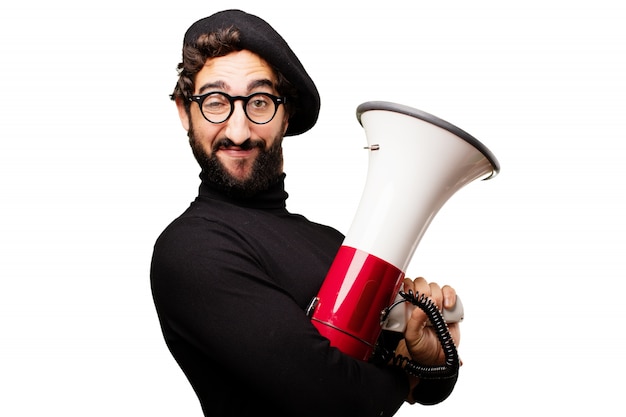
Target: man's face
x: 237, y: 153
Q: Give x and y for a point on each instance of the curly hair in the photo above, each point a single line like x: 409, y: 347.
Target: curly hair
x: 212, y: 45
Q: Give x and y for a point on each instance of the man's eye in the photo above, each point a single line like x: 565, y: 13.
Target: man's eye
x: 213, y: 105
x: 259, y: 102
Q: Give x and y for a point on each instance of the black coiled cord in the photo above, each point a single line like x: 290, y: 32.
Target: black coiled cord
x: 450, y: 368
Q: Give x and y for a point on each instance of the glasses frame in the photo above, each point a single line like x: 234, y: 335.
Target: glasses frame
x: 232, y: 99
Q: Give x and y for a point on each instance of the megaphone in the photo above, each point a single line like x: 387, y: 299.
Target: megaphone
x: 416, y: 163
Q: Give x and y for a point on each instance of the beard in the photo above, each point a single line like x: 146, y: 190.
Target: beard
x: 266, y: 169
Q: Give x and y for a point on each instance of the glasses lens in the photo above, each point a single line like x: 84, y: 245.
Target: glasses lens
x: 216, y: 107
x: 260, y: 108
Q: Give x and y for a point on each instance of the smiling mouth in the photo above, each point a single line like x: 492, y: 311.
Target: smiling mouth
x: 245, y: 147
x: 237, y: 151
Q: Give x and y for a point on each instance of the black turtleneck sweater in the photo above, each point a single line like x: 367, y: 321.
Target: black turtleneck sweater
x: 231, y: 280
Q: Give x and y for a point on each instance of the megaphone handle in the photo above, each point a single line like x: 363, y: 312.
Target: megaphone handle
x: 454, y: 314
x: 395, y: 316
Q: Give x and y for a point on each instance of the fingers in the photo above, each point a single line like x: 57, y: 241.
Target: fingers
x: 443, y: 297
x: 417, y: 286
x: 449, y: 296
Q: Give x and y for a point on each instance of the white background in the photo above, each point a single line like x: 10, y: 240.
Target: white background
x: 94, y: 164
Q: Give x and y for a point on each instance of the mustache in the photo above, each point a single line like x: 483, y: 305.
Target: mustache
x: 245, y: 146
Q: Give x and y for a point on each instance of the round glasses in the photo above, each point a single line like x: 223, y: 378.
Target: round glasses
x: 217, y: 107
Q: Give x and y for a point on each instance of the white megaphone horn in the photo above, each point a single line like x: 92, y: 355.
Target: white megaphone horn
x: 416, y: 163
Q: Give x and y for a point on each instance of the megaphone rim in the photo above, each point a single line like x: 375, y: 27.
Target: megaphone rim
x: 427, y: 117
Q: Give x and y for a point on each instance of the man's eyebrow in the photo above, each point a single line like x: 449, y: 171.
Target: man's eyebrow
x: 264, y: 82
x: 219, y: 85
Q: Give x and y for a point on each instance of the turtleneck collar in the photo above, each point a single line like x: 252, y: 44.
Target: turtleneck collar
x: 272, y: 199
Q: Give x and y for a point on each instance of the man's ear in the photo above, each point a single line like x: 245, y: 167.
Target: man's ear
x: 182, y: 113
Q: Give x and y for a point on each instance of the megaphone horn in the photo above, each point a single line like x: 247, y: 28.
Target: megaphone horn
x: 416, y: 163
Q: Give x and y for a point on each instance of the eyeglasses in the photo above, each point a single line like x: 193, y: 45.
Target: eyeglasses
x: 217, y: 107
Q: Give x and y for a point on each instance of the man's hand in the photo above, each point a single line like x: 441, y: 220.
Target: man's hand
x: 421, y: 342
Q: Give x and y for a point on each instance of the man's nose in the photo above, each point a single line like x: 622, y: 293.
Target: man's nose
x: 238, y: 125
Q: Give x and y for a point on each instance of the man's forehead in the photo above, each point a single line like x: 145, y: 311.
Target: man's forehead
x: 242, y: 68
x: 241, y: 57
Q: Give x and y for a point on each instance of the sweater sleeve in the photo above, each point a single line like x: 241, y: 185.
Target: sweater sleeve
x: 244, y: 343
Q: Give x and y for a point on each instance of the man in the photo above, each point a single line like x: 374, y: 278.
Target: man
x: 233, y: 275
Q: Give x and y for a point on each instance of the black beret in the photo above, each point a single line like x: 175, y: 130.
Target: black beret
x: 259, y: 37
